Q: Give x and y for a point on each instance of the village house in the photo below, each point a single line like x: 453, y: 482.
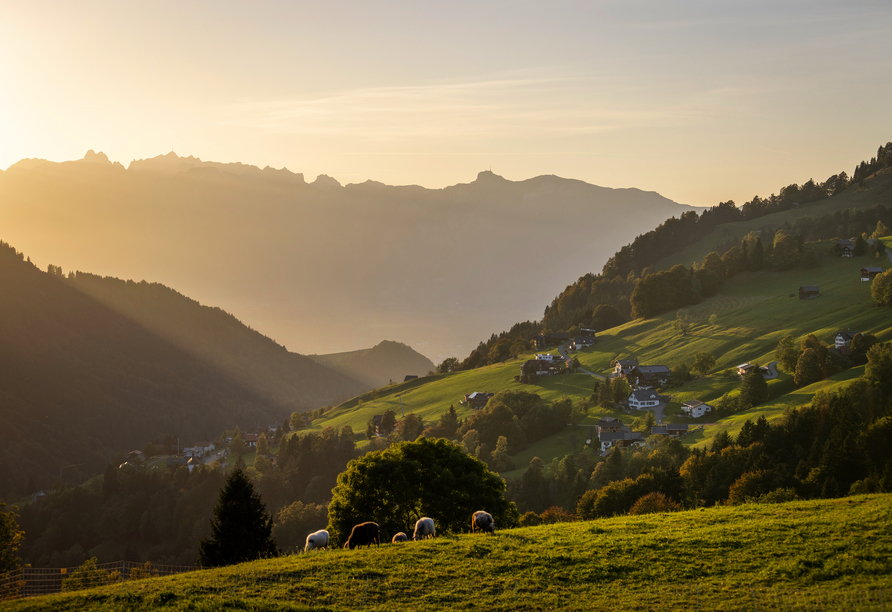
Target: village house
x: 696, y: 408
x: 609, y: 425
x: 409, y: 377
x: 203, y: 448
x: 550, y: 339
x: 587, y: 332
x: 844, y: 338
x: 581, y: 342
x: 623, y: 367
x: 477, y: 399
x: 846, y: 248
x: 621, y: 439
x: 642, y: 399
x: 547, y: 357
x: 744, y: 369
x: 649, y: 376
x: 251, y: 440
x: 676, y: 430
x: 868, y: 273
x: 809, y: 292
x: 540, y: 367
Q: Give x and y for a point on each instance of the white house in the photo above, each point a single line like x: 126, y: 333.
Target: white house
x: 642, y: 399
x: 696, y: 408
x: 844, y: 338
x: 622, y: 367
x: 546, y: 357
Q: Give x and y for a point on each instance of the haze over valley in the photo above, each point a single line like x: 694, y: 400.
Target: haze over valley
x: 320, y: 267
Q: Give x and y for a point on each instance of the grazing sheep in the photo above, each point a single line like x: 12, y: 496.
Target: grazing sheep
x: 424, y: 528
x: 317, y: 539
x: 482, y: 521
x: 400, y: 537
x: 364, y: 534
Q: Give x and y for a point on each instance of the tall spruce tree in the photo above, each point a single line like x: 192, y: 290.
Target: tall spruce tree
x: 241, y: 528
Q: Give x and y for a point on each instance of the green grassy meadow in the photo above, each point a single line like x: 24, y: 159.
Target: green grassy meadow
x: 827, y: 554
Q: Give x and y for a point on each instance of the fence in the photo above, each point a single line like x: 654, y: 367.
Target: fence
x: 34, y: 581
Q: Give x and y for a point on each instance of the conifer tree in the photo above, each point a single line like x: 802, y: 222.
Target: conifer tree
x: 241, y: 528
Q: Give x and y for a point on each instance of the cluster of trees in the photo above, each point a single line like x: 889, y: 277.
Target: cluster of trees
x: 813, y: 360
x: 882, y: 160
x: 881, y: 289
x: 518, y: 416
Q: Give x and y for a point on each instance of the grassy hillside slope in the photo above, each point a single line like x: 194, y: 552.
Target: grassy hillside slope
x: 830, y: 554
x: 753, y: 312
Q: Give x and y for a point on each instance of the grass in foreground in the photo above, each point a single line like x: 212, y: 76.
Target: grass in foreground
x: 833, y: 553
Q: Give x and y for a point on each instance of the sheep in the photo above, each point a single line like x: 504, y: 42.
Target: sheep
x: 482, y: 521
x: 364, y: 534
x: 424, y: 528
x: 317, y: 539
x: 400, y: 537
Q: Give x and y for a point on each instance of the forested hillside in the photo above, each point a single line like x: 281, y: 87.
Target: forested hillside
x: 686, y: 258
x: 94, y: 367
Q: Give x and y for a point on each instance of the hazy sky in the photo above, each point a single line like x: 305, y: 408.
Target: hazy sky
x: 701, y: 101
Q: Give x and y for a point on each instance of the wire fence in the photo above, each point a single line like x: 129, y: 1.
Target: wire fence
x: 373, y: 591
x: 35, y: 581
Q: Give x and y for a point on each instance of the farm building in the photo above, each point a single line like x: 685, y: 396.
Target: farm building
x: 868, y: 273
x: 609, y: 425
x: 809, y: 292
x: 477, y: 399
x: 845, y: 248
x: 622, y: 367
x: 696, y: 408
x: 649, y: 376
x: 642, y: 399
x: 621, y: 439
x: 581, y: 342
x: 843, y: 339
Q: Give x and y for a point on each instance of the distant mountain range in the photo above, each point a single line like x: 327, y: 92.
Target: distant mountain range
x: 320, y: 267
x: 380, y: 365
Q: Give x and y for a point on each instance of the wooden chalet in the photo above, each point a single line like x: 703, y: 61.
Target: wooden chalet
x: 581, y: 342
x: 809, y: 292
x: 868, y: 273
x: 477, y: 399
x: 846, y: 248
x: 649, y: 376
x: 540, y: 367
x: 609, y: 425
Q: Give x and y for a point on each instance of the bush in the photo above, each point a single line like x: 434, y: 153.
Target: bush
x: 530, y: 519
x: 556, y: 514
x: 88, y: 576
x: 653, y: 503
x: 778, y: 496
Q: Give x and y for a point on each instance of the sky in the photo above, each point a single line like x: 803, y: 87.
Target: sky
x: 701, y: 101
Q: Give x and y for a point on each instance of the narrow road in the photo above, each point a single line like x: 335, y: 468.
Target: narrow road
x: 772, y: 370
x: 562, y: 349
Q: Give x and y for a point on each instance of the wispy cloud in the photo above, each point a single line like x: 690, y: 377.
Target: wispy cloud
x: 482, y: 108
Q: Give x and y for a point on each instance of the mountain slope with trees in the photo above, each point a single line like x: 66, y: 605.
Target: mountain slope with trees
x: 94, y: 367
x: 384, y: 363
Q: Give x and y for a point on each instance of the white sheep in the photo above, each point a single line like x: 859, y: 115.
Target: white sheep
x: 424, y: 528
x: 317, y: 539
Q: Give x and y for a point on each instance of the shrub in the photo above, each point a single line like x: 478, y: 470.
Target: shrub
x: 530, y: 519
x: 653, y: 503
x: 556, y: 514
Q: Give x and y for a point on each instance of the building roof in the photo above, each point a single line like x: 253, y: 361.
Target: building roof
x: 694, y: 403
x: 808, y: 288
x: 847, y: 335
x: 610, y: 436
x: 745, y: 366
x: 642, y: 395
x: 658, y: 369
x: 870, y: 269
x: 677, y: 427
x: 844, y: 242
x: 658, y: 430
x: 627, y: 362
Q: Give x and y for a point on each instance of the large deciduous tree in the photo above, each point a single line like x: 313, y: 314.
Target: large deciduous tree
x: 241, y: 527
x: 428, y: 477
